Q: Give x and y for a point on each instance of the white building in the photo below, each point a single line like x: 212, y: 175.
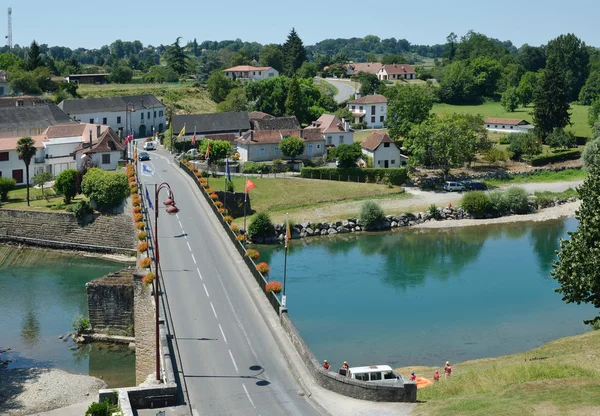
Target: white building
x: 370, y: 109
x: 250, y: 73
x: 263, y: 145
x: 144, y: 114
x: 13, y: 167
x: 396, y: 72
x: 383, y: 151
x: 104, y: 151
x: 333, y: 130
x: 508, y: 125
x: 4, y: 86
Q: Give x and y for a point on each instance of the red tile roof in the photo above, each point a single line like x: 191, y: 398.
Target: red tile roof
x: 370, y: 99
x: 10, y: 143
x: 73, y: 130
x: 329, y: 123
x: 266, y: 136
x: 399, y: 69
x: 506, y: 121
x: 368, y: 67
x: 107, y: 142
x: 374, y: 140
x: 247, y: 68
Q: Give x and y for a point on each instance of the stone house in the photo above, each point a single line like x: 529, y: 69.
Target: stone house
x: 370, y: 109
x: 383, y: 151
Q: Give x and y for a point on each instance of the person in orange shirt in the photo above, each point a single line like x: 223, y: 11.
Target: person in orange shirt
x: 447, y: 369
x: 436, y: 376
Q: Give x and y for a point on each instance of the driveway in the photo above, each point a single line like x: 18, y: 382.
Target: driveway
x: 345, y: 89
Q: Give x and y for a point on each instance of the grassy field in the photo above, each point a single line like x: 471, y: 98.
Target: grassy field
x: 563, y: 175
x: 299, y: 197
x: 183, y: 97
x: 561, y: 377
x: 493, y: 109
x: 17, y: 199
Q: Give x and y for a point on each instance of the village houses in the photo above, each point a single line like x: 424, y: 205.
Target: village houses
x: 507, y: 125
x: 370, y: 109
x: 382, y: 150
x: 250, y: 73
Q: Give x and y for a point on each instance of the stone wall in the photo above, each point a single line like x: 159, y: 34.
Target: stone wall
x: 145, y: 353
x: 114, y: 232
x: 110, y: 303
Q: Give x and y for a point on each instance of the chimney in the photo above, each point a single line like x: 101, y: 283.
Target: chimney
x: 357, y: 95
x: 142, y: 103
x: 98, y: 131
x: 90, y: 138
x: 251, y: 135
x: 346, y: 125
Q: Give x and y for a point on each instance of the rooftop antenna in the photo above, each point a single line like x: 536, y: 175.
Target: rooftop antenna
x: 9, y: 36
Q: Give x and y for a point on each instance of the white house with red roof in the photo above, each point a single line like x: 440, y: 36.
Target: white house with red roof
x: 383, y: 151
x: 396, y: 72
x: 507, y: 125
x: 370, y: 109
x: 335, y: 131
x: 13, y: 167
x: 250, y: 73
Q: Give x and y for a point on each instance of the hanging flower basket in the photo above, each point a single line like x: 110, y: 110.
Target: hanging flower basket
x: 221, y: 210
x: 263, y: 268
x: 138, y: 217
x: 145, y: 262
x: 149, y: 278
x: 137, y: 209
x: 142, y: 236
x: 228, y: 219
x: 142, y: 247
x: 235, y: 228
x: 240, y: 237
x: 213, y: 196
x: 140, y: 225
x: 218, y: 204
x: 209, y: 191
x: 273, y: 286
x: 253, y: 254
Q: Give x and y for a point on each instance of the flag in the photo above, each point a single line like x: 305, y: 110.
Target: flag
x: 146, y: 171
x: 129, y: 138
x: 207, y: 155
x: 182, y: 132
x: 194, y: 139
x: 249, y: 185
x: 148, y: 199
x: 288, y: 234
x: 227, y: 171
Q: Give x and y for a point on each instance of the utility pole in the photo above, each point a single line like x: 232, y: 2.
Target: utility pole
x: 9, y: 36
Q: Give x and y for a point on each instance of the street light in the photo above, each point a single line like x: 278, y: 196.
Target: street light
x: 172, y: 210
x: 127, y: 126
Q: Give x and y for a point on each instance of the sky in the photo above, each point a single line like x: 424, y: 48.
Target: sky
x: 91, y: 25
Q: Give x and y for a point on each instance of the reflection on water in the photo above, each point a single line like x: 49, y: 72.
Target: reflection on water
x: 40, y: 294
x: 417, y: 296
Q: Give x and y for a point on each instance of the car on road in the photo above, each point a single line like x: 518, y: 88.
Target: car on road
x: 451, y: 186
x: 149, y: 146
x: 475, y: 186
x: 144, y: 156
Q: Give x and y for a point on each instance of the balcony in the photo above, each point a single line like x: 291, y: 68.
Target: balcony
x: 39, y: 160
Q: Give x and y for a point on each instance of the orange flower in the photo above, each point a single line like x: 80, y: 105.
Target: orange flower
x: 273, y: 286
x: 263, y: 268
x: 142, y: 247
x: 253, y: 254
x: 145, y: 262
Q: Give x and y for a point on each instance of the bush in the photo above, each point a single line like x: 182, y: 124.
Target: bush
x: 496, y: 154
x: 101, y: 409
x: 253, y: 167
x: 66, y: 184
x: 261, y: 226
x: 107, y: 189
x: 433, y: 211
x: 6, y: 185
x: 263, y: 268
x: 82, y: 209
x: 369, y: 175
x: 229, y: 187
x: 504, y: 139
x: 273, y: 286
x: 253, y: 254
x: 81, y: 324
x: 591, y: 153
x: 555, y: 157
x: 476, y: 203
x: 395, y: 176
x: 371, y: 214
x: 497, y: 203
x: 516, y: 200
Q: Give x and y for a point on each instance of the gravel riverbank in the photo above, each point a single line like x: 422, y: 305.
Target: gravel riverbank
x: 24, y: 391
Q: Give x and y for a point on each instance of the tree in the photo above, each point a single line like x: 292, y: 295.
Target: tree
x: 209, y: 62
x: 594, y: 112
x: 524, y: 144
x: 551, y: 100
x: 577, y: 268
x: 293, y: 104
x: 486, y: 73
x: 308, y: 70
x: 121, y: 75
x: 409, y: 106
x: 458, y: 86
x: 6, y: 185
x: 510, y: 99
x: 369, y: 83
x: 42, y: 179
x: 571, y: 54
x: 33, y: 56
x: 271, y: 55
x: 591, y: 153
x: 559, y: 138
x: 176, y: 58
x: 240, y: 58
x: 158, y: 74
x: 26, y: 150
x: 347, y: 155
x: 533, y: 58
x: 291, y: 147
x: 107, y: 189
x: 591, y: 89
x: 219, y: 149
x: 451, y: 40
x: 526, y: 88
x: 294, y: 53
x: 235, y: 101
x: 24, y: 82
x: 66, y: 184
x: 218, y: 86
x: 8, y: 61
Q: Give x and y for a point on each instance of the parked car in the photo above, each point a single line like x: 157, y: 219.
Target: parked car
x: 475, y: 186
x: 454, y: 186
x: 144, y: 156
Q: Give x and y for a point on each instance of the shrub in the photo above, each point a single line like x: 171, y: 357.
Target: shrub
x: 504, y: 139
x: 81, y: 324
x: 396, y: 176
x: 138, y: 217
x: 476, y: 203
x: 371, y: 213
x: 229, y: 186
x: 137, y: 209
x: 433, y: 211
x: 106, y: 188
x: 556, y: 157
x: 228, y: 219
x: 81, y: 209
x: 497, y: 203
x: 516, y: 200
x: 142, y: 247
x: 543, y: 200
x: 253, y: 254
x: 591, y: 153
x: 273, y: 286
x: 145, y: 262
x: 148, y: 278
x: 140, y: 225
x: 261, y: 226
x: 6, y: 185
x: 253, y: 167
x: 101, y: 409
x: 66, y: 184
x: 496, y: 154
x: 263, y: 268
x: 142, y: 236
x: 234, y: 228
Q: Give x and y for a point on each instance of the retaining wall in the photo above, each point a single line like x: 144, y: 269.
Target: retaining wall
x: 110, y: 303
x: 143, y: 314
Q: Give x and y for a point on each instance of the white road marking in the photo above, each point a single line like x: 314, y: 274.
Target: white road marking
x: 194, y: 258
x: 181, y: 226
x: 223, y: 333
x: 214, y: 312
x: 189, y: 247
x: 199, y: 274
x: 206, y: 290
x: 177, y: 215
x: 248, y: 395
x: 233, y: 361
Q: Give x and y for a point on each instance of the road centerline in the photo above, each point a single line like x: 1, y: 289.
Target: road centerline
x: 233, y: 361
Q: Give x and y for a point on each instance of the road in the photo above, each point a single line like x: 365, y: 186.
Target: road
x: 229, y: 362
x: 345, y: 89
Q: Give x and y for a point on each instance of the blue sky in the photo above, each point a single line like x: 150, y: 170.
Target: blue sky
x: 93, y: 24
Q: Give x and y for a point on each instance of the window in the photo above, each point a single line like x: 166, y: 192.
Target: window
x: 393, y: 161
x: 261, y: 151
x: 276, y: 151
x: 148, y: 115
x: 259, y: 72
x: 386, y: 145
x: 388, y: 375
x: 362, y: 376
x: 20, y: 103
x: 329, y: 139
x: 381, y: 108
x: 142, y: 115
x: 403, y: 163
x: 360, y: 108
x: 341, y: 139
x: 106, y: 159
x: 373, y: 109
x: 503, y: 127
x: 354, y: 107
x: 104, y: 120
x: 495, y: 126
x: 373, y: 119
x: 254, y: 73
x: 118, y: 119
x: 160, y: 113
x: 154, y: 114
x: 381, y: 118
x: 3, y: 156
x: 17, y: 175
x: 511, y: 127
x: 1, y: 90
x: 379, y: 162
x: 375, y: 376
x: 318, y: 146
x: 91, y: 121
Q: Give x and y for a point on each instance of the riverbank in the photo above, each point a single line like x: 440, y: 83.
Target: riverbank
x: 25, y: 391
x: 13, y: 254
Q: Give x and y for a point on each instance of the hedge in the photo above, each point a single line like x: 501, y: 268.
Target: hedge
x: 557, y: 157
x: 397, y: 176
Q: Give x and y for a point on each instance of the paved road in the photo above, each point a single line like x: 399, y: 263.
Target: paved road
x: 230, y: 362
x: 345, y: 89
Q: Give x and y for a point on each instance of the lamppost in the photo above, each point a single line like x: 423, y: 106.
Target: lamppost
x: 127, y: 126
x: 172, y: 210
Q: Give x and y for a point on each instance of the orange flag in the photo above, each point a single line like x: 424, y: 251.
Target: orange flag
x: 288, y: 234
x: 249, y: 185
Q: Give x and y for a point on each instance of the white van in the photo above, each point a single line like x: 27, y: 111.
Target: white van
x: 375, y: 374
x: 454, y: 186
x: 149, y: 146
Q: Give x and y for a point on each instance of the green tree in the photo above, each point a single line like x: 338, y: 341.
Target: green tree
x: 551, y: 100
x: 308, y: 70
x: 121, y: 75
x: 577, y: 268
x: 486, y: 73
x: 6, y: 185
x: 159, y: 74
x: 594, y: 112
x: 260, y: 226
x: 591, y: 89
x: 371, y: 57
x: 409, y: 106
x: 510, y: 99
x: 176, y: 58
x: 572, y: 56
x: 591, y: 153
x: 42, y: 179
x: 371, y: 214
x: 107, y: 189
x: 451, y: 44
x: 369, y: 83
x: 240, y: 58
x: 26, y: 150
x: 34, y: 58
x: 24, y: 82
x: 235, y: 101
x: 219, y: 86
x: 294, y: 53
x: 219, y: 149
x: 524, y: 144
x: 293, y: 103
x: 66, y: 184
x: 347, y: 155
x: 559, y: 138
x: 511, y: 75
x: 458, y: 86
x: 526, y: 88
x: 8, y: 61
x: 291, y: 147
x: 271, y: 55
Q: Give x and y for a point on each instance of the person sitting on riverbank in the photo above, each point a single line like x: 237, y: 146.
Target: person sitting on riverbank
x: 436, y: 376
x: 326, y: 365
x: 447, y: 369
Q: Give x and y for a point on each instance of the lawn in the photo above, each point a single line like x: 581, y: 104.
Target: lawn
x: 494, y: 109
x: 561, y: 377
x: 543, y: 176
x: 299, y: 197
x: 17, y: 199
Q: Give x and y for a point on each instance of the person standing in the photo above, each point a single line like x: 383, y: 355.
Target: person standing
x: 436, y: 376
x: 413, y: 377
x: 326, y: 365
x: 345, y: 366
x: 447, y: 369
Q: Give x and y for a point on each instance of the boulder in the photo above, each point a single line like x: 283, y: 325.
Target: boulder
x: 332, y: 231
x: 309, y: 232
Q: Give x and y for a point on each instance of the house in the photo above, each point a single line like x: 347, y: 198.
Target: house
x: 275, y: 123
x: 144, y: 114
x: 13, y: 167
x: 216, y: 126
x: 508, y: 125
x: 93, y: 79
x: 21, y: 121
x: 21, y: 101
x: 250, y: 73
x: 366, y: 67
x: 332, y: 129
x: 4, y: 87
x: 104, y: 151
x: 396, y: 71
x: 383, y: 151
x: 370, y: 109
